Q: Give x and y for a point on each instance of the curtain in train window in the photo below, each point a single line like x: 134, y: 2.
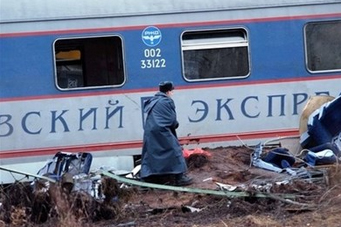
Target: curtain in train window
x: 323, y: 46
x: 218, y: 54
x: 89, y: 62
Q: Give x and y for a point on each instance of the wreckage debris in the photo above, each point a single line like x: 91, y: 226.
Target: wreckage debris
x: 320, y: 139
x: 321, y: 136
x: 113, y: 197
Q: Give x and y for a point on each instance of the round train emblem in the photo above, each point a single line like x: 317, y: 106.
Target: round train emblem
x: 151, y: 36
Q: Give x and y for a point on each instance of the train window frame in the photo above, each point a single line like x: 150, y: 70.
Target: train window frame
x: 208, y: 40
x: 95, y: 54
x: 310, y: 59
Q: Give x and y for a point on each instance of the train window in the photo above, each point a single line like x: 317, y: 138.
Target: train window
x: 217, y: 54
x: 323, y: 46
x: 89, y: 62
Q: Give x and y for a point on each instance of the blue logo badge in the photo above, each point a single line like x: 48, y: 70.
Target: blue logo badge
x: 151, y: 36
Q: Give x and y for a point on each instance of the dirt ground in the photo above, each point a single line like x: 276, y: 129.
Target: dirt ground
x: 286, y: 200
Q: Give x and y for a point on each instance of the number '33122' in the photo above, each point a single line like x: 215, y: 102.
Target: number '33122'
x: 153, y: 63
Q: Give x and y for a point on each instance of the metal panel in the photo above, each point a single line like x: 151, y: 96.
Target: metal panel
x: 35, y: 10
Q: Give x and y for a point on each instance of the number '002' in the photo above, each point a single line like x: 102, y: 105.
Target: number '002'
x: 152, y: 53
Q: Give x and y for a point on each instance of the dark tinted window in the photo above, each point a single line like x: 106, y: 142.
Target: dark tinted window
x: 218, y: 54
x: 323, y: 45
x: 89, y: 62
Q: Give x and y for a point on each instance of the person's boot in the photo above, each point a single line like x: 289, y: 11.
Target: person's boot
x: 182, y: 180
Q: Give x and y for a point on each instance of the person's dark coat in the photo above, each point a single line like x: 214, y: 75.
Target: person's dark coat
x: 161, y: 152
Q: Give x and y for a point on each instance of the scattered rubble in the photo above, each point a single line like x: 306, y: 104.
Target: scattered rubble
x: 122, y: 204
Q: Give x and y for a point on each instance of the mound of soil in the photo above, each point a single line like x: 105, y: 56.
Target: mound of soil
x: 286, y: 201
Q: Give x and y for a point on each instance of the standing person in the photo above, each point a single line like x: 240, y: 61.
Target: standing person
x: 162, y: 157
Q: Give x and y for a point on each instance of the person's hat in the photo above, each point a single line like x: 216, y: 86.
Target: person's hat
x: 166, y: 86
